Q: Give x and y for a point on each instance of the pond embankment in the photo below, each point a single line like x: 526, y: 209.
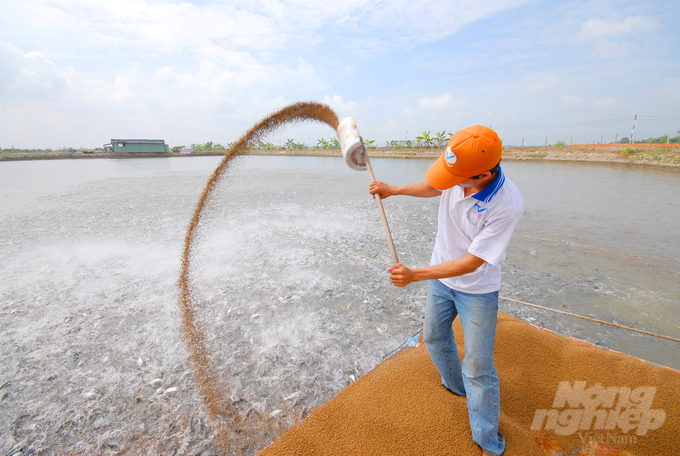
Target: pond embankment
x: 649, y: 155
x: 640, y: 154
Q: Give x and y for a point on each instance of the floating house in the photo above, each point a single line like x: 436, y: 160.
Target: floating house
x: 137, y: 146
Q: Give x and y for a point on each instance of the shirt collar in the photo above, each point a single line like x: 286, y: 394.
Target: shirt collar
x: 488, y: 193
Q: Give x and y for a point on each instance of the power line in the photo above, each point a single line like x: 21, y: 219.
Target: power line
x: 662, y: 118
x: 572, y: 124
x: 593, y: 122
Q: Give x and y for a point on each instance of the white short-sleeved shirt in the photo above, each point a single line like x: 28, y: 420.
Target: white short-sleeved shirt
x: 481, y: 224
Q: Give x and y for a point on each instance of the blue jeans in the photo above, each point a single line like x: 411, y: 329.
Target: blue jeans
x: 476, y: 378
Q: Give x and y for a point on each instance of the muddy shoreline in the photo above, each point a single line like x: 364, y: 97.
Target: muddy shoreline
x: 646, y: 155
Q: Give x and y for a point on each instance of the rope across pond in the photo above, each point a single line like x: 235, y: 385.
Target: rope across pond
x: 595, y: 320
x: 616, y: 325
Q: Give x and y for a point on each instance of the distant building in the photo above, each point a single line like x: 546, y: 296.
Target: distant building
x: 137, y: 146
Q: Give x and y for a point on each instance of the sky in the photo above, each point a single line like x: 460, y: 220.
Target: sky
x: 77, y: 73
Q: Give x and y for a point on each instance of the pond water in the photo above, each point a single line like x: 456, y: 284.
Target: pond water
x: 92, y: 356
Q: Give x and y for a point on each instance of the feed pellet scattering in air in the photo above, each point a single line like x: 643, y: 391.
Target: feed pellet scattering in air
x: 193, y: 333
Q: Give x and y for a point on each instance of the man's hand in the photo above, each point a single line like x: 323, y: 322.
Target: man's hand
x: 400, y: 275
x: 380, y: 187
x: 420, y: 190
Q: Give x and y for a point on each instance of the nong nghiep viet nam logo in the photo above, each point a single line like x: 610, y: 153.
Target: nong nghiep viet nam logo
x: 611, y: 408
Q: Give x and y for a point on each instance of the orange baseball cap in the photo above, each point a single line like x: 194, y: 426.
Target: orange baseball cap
x: 470, y: 152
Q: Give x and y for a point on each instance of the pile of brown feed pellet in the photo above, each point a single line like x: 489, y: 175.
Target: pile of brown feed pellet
x: 548, y: 383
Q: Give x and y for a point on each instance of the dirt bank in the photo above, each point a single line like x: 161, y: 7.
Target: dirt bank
x: 654, y: 155
x: 643, y: 154
x: 640, y: 155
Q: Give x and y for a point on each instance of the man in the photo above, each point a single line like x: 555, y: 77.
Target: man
x: 478, y: 212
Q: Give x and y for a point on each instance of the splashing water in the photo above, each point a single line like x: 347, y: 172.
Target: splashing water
x: 194, y: 336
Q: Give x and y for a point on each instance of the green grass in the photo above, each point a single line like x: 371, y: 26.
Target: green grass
x: 537, y: 155
x: 666, y: 156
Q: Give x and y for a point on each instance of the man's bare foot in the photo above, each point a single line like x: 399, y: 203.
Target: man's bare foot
x: 484, y: 453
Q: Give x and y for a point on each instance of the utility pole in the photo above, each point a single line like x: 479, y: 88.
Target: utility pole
x: 633, y: 130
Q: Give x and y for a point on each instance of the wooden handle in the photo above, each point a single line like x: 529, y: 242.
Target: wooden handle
x: 383, y: 217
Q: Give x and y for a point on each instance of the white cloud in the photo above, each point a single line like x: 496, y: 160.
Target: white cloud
x: 83, y: 67
x: 32, y: 75
x: 605, y: 103
x: 422, y: 21
x: 444, y: 103
x: 211, y: 30
x: 597, y: 28
x: 542, y: 82
x: 159, y: 27
x: 430, y: 20
x: 341, y: 107
x: 607, y: 49
x: 572, y: 100
x: 28, y: 77
x: 49, y: 98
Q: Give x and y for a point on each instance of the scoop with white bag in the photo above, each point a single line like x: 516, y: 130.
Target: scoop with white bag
x: 354, y: 153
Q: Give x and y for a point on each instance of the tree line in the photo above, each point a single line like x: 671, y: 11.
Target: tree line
x: 424, y: 141
x: 660, y: 140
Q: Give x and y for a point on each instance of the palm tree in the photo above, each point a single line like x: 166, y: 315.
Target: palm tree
x: 369, y: 143
x: 440, y: 136
x: 427, y: 138
x: 290, y: 144
x: 335, y: 143
x: 324, y: 144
